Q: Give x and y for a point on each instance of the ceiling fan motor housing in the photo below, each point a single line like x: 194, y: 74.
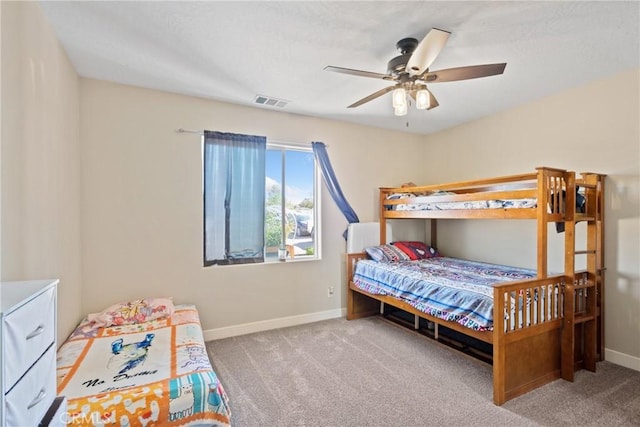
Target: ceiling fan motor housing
x: 406, y: 47
x: 398, y: 64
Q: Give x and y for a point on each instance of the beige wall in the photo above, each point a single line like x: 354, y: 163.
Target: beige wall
x: 40, y: 159
x: 142, y: 203
x: 594, y: 128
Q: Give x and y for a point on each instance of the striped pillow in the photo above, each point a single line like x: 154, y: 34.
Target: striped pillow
x: 386, y: 253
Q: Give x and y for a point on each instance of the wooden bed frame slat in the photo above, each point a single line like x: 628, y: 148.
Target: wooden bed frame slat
x: 502, y: 213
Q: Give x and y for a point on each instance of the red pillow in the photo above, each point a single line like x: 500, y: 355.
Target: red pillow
x: 416, y: 250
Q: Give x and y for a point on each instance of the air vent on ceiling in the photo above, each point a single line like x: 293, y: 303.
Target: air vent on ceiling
x: 271, y: 102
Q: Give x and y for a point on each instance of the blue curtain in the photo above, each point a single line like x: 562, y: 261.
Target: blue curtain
x: 330, y: 180
x: 234, y: 195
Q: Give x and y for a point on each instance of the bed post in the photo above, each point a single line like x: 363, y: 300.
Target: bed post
x: 358, y: 305
x: 383, y: 220
x: 433, y: 240
x: 568, y: 329
x: 543, y: 201
x: 499, y: 351
x: 599, y: 259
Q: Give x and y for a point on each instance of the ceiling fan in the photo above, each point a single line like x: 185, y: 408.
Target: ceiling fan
x: 410, y: 72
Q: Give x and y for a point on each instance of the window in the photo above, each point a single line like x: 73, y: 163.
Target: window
x: 260, y: 200
x: 290, y: 202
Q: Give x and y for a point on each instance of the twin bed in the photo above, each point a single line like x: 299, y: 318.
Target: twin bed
x: 140, y: 363
x: 540, y: 326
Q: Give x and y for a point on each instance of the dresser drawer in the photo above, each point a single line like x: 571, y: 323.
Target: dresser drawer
x: 31, y: 397
x: 28, y: 331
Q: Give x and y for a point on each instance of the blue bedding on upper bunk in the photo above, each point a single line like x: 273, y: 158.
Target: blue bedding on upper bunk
x: 452, y: 289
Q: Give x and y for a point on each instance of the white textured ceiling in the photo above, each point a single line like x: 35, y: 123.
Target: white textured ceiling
x: 232, y: 51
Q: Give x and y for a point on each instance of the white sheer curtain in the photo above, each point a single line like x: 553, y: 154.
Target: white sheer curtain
x: 234, y: 195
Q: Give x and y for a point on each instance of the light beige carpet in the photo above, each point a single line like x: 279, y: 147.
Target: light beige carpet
x: 370, y: 372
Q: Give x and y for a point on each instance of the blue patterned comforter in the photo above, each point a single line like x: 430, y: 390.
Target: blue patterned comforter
x: 447, y: 288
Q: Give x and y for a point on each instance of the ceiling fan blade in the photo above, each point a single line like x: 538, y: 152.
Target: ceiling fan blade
x: 359, y: 73
x: 433, y: 102
x: 372, y: 96
x: 463, y: 73
x: 427, y: 51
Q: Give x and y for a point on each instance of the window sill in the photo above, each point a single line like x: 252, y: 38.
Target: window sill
x: 291, y: 260
x: 267, y: 262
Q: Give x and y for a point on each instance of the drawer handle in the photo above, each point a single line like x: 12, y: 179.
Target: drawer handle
x: 37, y: 331
x: 38, y: 398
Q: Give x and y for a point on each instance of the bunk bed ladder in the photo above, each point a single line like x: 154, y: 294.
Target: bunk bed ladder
x: 582, y: 341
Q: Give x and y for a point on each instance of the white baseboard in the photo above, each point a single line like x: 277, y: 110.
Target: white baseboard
x: 622, y: 359
x: 265, y: 325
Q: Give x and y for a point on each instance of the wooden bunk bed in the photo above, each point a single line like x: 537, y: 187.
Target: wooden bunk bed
x: 528, y: 350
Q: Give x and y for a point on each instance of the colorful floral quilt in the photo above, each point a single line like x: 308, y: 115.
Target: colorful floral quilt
x: 447, y: 288
x: 146, y: 374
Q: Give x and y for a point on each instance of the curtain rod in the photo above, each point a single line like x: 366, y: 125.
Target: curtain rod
x: 197, y: 132
x: 272, y: 141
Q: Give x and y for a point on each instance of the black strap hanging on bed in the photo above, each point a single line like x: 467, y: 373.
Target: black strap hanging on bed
x: 580, y: 206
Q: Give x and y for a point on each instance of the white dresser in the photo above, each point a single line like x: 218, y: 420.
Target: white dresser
x: 28, y: 351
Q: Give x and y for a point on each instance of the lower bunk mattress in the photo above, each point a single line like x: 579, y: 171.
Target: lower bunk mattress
x: 451, y: 289
x: 151, y: 373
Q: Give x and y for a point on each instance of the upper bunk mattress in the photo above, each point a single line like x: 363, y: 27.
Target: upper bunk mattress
x: 447, y: 288
x: 430, y: 203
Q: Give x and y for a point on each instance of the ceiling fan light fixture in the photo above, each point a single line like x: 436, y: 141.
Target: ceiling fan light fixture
x: 423, y: 100
x: 401, y: 110
x: 399, y: 98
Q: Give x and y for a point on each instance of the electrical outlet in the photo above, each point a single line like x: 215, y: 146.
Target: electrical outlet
x: 330, y: 291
